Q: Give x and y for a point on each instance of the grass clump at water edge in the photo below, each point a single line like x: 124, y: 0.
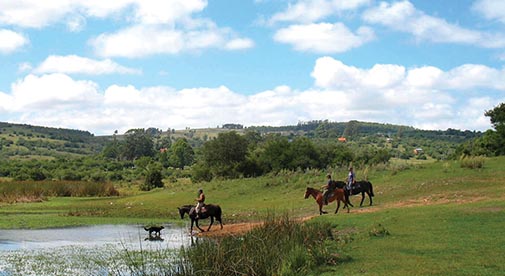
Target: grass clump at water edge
x: 279, y: 247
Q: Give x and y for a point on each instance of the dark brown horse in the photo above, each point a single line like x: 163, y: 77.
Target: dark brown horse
x: 337, y: 194
x: 360, y: 187
x: 210, y: 211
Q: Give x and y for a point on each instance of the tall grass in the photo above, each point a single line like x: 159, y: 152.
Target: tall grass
x: 279, y: 247
x: 472, y: 162
x: 30, y: 191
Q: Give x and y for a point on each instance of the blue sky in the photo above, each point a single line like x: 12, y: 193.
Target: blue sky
x: 103, y: 66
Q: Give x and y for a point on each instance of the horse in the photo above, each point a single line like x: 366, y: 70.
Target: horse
x: 210, y: 211
x: 338, y: 195
x: 362, y: 187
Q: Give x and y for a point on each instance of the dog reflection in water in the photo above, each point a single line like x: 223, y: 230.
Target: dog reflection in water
x: 157, y: 233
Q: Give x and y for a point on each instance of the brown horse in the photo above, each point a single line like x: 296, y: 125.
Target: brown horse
x: 337, y: 194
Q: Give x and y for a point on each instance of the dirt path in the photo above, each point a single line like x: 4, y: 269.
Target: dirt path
x: 238, y: 228
x: 243, y: 227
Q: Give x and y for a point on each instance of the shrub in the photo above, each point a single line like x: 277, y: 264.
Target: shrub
x: 153, y: 180
x: 472, y: 162
x: 302, y: 248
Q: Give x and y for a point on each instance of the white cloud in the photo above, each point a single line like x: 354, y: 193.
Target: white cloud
x: 491, y: 9
x: 39, y: 14
x: 73, y: 64
x: 307, y: 11
x: 170, y: 26
x: 167, y: 11
x: 323, y: 37
x: 11, y: 41
x: 424, y: 97
x: 163, y: 39
x: 131, y: 42
x: 239, y: 43
x: 403, y: 16
x: 331, y: 73
x: 51, y: 91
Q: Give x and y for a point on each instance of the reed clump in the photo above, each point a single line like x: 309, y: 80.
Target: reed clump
x: 34, y: 191
x: 279, y: 247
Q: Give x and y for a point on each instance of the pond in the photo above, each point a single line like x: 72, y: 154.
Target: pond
x: 89, y: 250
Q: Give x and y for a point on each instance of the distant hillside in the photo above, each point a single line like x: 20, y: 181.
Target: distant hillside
x: 356, y: 129
x: 26, y: 141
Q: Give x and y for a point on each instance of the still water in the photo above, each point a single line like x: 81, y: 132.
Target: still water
x: 90, y: 250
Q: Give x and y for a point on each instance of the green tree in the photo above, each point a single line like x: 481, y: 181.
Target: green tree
x: 351, y: 129
x: 151, y: 171
x: 497, y: 140
x: 304, y: 154
x: 181, y: 154
x: 276, y: 154
x: 224, y: 155
x: 138, y: 143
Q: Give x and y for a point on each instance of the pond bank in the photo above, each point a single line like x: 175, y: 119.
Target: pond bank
x: 89, y: 250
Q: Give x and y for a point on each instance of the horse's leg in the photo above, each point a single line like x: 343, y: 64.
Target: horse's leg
x: 321, y: 208
x: 338, y: 205
x: 198, y: 226
x: 347, y: 196
x: 211, y: 222
x: 362, y: 198
x: 370, y: 197
x: 220, y: 221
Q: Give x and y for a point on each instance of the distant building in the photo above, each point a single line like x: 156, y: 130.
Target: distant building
x: 342, y: 139
x: 418, y: 151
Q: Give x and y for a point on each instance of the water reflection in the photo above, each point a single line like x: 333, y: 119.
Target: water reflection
x: 88, y: 237
x: 86, y: 250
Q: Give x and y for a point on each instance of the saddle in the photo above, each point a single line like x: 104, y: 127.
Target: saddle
x: 355, y: 186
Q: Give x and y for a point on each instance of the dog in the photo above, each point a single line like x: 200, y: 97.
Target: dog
x: 154, y: 229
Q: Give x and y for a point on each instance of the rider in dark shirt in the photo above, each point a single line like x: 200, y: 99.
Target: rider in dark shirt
x: 328, y: 188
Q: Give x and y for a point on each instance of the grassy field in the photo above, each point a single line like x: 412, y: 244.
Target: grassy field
x: 431, y: 218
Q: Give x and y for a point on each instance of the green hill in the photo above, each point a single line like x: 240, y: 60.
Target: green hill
x: 21, y: 141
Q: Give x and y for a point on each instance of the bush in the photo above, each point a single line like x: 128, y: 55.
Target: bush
x: 153, y: 180
x: 470, y: 162
x: 303, y: 248
x: 17, y: 191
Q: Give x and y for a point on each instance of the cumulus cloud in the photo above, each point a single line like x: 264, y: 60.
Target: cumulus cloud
x: 239, y: 43
x: 52, y: 91
x: 130, y: 42
x: 424, y: 97
x: 170, y: 25
x: 11, y: 41
x: 324, y: 37
x: 39, y: 14
x: 307, y: 11
x: 491, y: 9
x: 403, y: 16
x: 73, y: 64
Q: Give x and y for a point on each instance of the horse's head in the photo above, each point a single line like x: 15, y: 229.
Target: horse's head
x: 181, y: 212
x: 307, y: 193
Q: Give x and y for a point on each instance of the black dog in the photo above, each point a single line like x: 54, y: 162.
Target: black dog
x: 154, y: 229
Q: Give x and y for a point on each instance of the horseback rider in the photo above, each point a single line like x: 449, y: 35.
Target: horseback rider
x: 328, y: 189
x: 351, y: 179
x: 200, y: 202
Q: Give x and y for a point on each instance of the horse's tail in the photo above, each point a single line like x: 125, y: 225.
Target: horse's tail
x: 371, y: 188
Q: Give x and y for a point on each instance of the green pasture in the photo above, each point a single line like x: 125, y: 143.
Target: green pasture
x: 428, y: 218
